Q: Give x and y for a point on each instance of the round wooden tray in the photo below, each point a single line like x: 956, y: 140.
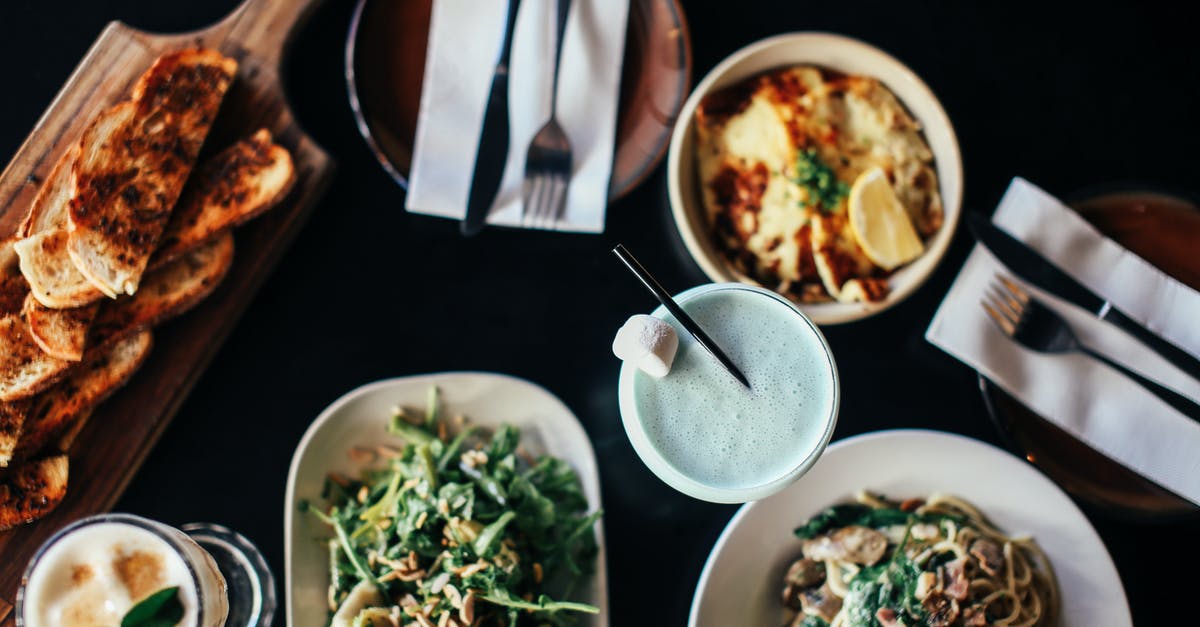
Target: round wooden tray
x: 385, y: 63
x: 1163, y: 229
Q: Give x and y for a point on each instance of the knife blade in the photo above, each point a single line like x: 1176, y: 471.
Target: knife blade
x: 492, y: 153
x: 1030, y: 265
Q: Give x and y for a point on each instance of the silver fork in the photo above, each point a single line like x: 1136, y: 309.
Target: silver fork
x: 1036, y: 326
x: 548, y: 161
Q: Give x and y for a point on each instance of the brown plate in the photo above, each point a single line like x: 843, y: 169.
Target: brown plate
x: 1163, y: 229
x: 385, y: 62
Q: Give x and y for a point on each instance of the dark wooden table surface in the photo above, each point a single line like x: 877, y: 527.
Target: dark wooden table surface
x: 1067, y: 97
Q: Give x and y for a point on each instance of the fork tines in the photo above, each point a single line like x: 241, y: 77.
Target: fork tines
x: 1006, y: 303
x: 545, y: 196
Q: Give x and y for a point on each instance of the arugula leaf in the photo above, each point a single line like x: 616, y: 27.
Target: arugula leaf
x: 544, y: 603
x: 161, y: 609
x: 399, y: 426
x: 490, y: 533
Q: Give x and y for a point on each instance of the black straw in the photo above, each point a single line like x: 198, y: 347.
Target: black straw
x: 688, y: 323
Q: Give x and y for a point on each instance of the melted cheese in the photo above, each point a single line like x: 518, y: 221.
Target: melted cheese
x: 768, y: 229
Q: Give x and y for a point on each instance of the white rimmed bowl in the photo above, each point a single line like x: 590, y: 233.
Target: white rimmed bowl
x: 360, y: 418
x: 742, y: 579
x: 845, y: 55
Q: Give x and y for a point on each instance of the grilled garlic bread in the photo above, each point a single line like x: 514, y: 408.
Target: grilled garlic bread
x: 61, y: 333
x: 73, y: 399
x: 133, y: 162
x: 32, y: 490
x: 168, y: 291
x: 12, y: 419
x: 165, y: 293
x: 226, y: 190
x: 49, y: 208
x: 229, y: 189
x: 25, y: 369
x: 52, y: 276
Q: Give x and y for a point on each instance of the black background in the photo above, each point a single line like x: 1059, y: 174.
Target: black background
x: 1065, y: 96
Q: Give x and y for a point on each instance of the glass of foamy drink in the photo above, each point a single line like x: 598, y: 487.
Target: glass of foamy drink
x: 93, y: 572
x: 704, y: 433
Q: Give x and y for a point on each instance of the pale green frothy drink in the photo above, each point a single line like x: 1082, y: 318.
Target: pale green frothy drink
x: 703, y: 432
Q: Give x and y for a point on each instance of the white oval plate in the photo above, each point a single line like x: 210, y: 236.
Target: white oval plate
x: 741, y: 582
x: 360, y: 418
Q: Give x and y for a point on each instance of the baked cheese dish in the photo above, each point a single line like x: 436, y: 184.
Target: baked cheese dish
x: 795, y: 167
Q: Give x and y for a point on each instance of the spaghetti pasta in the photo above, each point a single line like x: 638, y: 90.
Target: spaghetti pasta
x: 935, y: 561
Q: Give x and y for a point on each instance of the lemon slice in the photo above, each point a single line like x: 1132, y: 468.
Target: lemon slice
x: 880, y: 223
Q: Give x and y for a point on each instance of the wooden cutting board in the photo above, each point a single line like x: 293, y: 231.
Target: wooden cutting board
x: 116, y: 440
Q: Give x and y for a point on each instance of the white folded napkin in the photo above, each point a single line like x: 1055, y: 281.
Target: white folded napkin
x: 1091, y: 401
x: 464, y: 41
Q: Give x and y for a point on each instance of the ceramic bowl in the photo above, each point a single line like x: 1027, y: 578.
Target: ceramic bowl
x: 848, y: 56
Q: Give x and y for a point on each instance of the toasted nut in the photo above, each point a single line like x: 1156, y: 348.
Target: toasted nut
x: 453, y: 595
x: 467, y: 611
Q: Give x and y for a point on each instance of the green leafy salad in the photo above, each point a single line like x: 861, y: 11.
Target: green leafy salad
x: 459, y: 527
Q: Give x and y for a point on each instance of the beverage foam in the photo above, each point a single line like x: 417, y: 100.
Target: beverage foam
x: 95, y: 574
x: 712, y: 429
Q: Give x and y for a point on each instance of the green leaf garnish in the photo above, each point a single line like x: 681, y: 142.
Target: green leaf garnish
x: 161, y: 609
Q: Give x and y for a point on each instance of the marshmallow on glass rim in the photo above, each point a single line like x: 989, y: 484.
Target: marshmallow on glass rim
x: 648, y: 343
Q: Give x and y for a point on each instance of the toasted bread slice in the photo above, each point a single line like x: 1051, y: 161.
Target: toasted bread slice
x: 87, y: 386
x: 12, y: 284
x: 49, y: 208
x: 227, y: 190
x: 231, y: 188
x: 32, y: 490
x: 166, y: 292
x: 133, y: 161
x: 12, y: 419
x: 52, y: 275
x: 25, y: 369
x: 62, y: 333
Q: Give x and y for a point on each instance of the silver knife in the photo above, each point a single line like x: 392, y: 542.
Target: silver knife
x: 1036, y: 269
x: 492, y: 153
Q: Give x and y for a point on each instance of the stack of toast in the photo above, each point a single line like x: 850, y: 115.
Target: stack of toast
x: 127, y: 232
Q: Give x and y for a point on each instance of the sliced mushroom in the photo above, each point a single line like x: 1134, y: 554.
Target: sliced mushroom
x: 989, y: 554
x: 803, y: 573
x: 975, y: 616
x: 887, y: 617
x: 857, y: 544
x: 942, y: 610
x: 820, y: 602
x: 954, y: 579
x: 926, y: 583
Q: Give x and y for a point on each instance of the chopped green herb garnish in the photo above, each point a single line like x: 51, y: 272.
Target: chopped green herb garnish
x: 825, y: 191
